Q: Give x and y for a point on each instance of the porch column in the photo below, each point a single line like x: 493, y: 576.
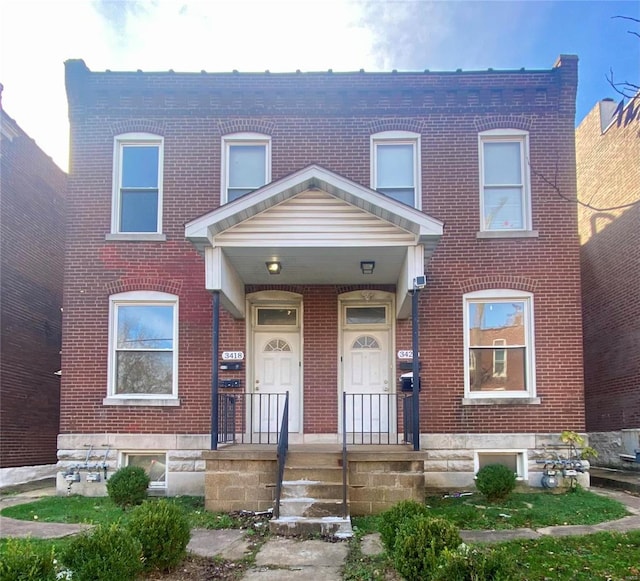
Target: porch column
x: 415, y: 371
x: 215, y: 344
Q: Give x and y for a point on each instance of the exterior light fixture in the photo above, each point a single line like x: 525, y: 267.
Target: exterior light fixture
x: 273, y: 267
x: 367, y: 266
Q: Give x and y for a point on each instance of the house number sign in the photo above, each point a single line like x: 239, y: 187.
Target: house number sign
x: 406, y: 354
x: 232, y: 355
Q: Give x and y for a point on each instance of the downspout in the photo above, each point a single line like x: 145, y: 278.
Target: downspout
x: 415, y: 371
x: 215, y: 345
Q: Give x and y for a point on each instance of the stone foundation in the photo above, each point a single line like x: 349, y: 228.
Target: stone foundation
x: 185, y: 462
x: 610, y: 446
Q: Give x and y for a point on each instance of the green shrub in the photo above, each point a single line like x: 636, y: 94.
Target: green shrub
x: 23, y: 560
x: 163, y: 530
x: 109, y: 553
x: 391, y: 520
x: 128, y: 486
x: 419, y: 543
x: 465, y: 564
x: 495, y: 481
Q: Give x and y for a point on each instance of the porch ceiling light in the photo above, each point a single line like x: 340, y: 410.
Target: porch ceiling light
x: 273, y: 267
x: 367, y: 266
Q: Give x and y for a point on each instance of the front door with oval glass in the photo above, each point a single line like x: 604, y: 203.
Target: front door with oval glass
x: 366, y: 363
x: 276, y: 369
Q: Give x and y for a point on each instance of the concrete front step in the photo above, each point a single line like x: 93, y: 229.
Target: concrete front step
x: 310, y: 507
x: 289, y: 526
x: 311, y: 489
x: 306, y: 459
x: 321, y: 474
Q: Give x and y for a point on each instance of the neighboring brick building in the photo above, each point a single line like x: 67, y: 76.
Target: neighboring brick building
x: 186, y: 188
x: 32, y: 191
x: 608, y: 172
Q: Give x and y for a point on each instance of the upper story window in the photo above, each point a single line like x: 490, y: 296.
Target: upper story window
x: 137, y: 179
x: 504, y: 175
x: 246, y: 164
x: 499, y: 344
x: 143, y: 341
x: 395, y: 166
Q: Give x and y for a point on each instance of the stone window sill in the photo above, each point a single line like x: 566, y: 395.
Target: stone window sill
x: 501, y: 401
x: 131, y: 237
x: 508, y: 234
x: 129, y: 401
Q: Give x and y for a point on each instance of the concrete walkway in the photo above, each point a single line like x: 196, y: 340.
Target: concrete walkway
x: 282, y: 559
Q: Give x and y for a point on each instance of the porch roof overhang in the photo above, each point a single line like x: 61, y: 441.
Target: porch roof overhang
x: 319, y: 226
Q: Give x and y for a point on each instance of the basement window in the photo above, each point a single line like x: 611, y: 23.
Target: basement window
x: 155, y: 466
x: 512, y: 459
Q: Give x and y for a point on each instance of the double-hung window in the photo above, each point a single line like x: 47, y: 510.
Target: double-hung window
x: 246, y: 164
x: 499, y: 344
x: 504, y: 190
x: 143, y: 345
x: 395, y: 166
x: 137, y: 178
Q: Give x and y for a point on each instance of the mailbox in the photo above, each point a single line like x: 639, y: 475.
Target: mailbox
x: 406, y: 382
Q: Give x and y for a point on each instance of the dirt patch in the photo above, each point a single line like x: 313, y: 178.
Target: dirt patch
x: 195, y: 568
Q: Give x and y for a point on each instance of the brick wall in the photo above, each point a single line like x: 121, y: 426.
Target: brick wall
x: 326, y: 119
x: 32, y: 190
x: 608, y: 171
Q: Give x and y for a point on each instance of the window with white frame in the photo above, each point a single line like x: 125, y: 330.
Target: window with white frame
x: 512, y: 459
x: 246, y: 164
x: 154, y: 465
x: 395, y: 166
x: 137, y: 179
x: 143, y: 345
x: 499, y: 347
x: 504, y: 174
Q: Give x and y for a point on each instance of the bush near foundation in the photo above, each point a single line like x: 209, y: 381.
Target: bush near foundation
x: 466, y: 564
x: 419, y: 543
x: 109, y: 553
x: 163, y: 531
x: 128, y: 486
x: 23, y: 560
x: 496, y: 482
x: 392, y: 519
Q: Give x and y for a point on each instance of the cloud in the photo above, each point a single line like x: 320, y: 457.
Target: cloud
x: 416, y: 35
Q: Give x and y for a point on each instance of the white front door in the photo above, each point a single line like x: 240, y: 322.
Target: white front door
x: 367, y: 373
x: 276, y: 371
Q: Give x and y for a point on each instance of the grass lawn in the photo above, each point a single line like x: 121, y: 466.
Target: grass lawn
x: 101, y: 510
x: 534, y: 510
x: 601, y: 556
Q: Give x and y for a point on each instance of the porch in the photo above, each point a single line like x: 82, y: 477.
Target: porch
x: 313, y: 486
x: 316, y: 477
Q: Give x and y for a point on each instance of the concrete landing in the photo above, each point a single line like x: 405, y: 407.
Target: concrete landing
x: 292, y: 560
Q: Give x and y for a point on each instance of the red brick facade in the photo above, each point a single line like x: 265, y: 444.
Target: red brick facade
x: 608, y: 171
x: 325, y: 119
x: 32, y: 252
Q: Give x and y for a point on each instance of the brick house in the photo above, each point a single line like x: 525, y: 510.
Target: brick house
x: 608, y: 174
x: 32, y: 193
x: 236, y: 237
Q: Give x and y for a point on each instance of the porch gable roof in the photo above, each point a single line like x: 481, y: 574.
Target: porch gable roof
x: 203, y: 230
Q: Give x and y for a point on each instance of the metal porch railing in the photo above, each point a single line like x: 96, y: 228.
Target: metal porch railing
x: 250, y: 418
x: 283, y: 446
x: 374, y: 418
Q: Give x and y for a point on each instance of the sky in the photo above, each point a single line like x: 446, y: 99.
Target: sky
x: 37, y: 36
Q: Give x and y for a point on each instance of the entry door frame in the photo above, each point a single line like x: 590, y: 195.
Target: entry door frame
x: 274, y: 299
x: 367, y: 298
